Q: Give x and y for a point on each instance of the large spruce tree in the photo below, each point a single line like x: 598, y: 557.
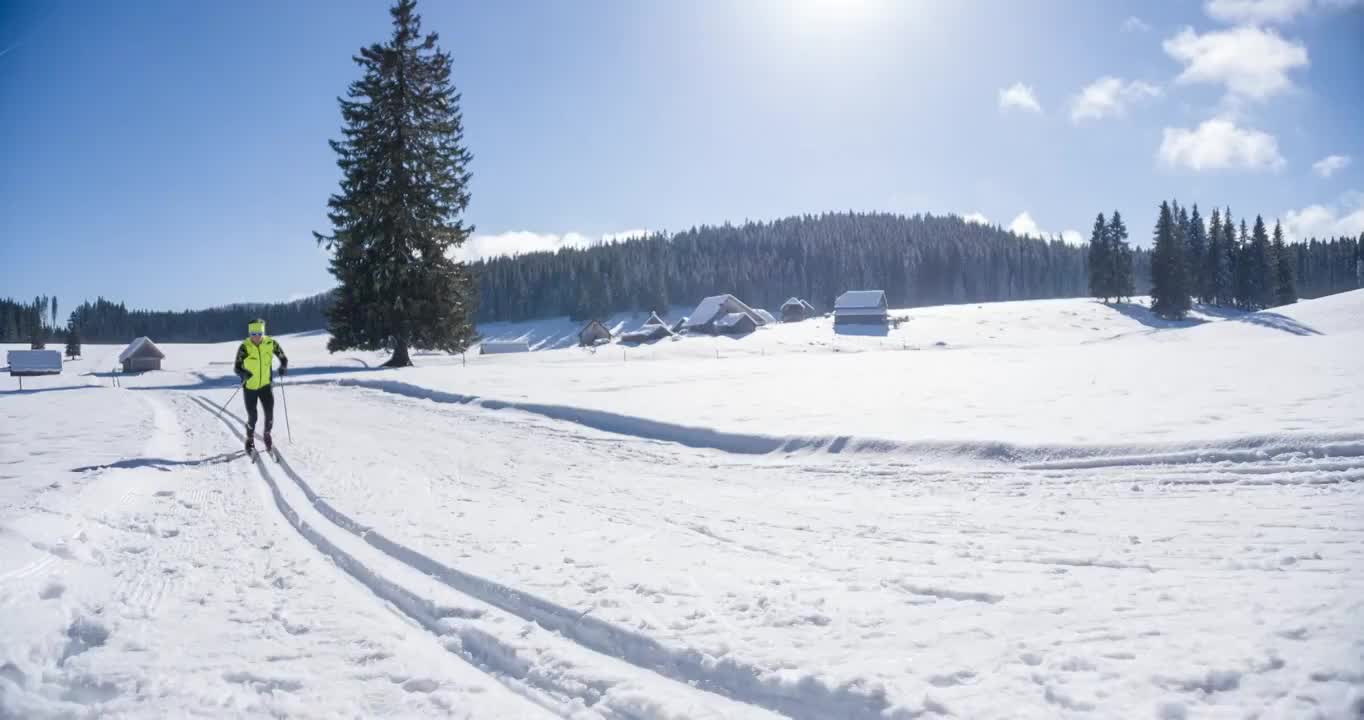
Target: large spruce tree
x: 1100, y: 265
x: 1285, y: 289
x: 1240, y: 259
x: 1169, y: 289
x: 1122, y: 284
x: 1195, y: 257
x: 1213, y: 260
x: 1260, y: 267
x: 397, y: 219
x: 1226, y: 270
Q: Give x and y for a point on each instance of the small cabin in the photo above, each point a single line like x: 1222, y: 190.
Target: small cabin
x: 735, y: 324
x: 141, y: 355
x: 503, y: 347
x: 796, y: 309
x: 654, y: 329
x: 711, y: 310
x: 594, y: 333
x: 861, y: 307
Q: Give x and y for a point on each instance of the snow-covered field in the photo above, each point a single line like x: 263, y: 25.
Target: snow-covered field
x: 1017, y: 510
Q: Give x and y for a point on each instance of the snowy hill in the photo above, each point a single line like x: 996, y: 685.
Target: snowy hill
x: 1032, y: 509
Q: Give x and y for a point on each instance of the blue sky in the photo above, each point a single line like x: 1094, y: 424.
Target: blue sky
x: 174, y: 154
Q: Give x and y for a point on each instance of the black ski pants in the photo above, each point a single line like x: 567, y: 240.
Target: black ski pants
x: 267, y: 398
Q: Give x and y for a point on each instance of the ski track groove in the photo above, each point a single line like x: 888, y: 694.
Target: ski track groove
x: 810, y: 699
x: 419, y: 610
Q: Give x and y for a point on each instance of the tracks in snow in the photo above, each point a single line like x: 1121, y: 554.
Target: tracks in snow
x: 559, y: 656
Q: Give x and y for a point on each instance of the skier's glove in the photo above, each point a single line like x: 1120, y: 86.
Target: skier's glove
x: 283, y: 370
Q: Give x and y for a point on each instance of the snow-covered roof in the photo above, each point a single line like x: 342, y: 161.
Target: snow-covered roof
x: 707, y: 310
x: 731, y: 320
x: 717, y: 305
x: 654, y: 319
x: 34, y: 362
x: 861, y: 300
x: 765, y: 315
x: 141, y: 347
x: 792, y: 301
x: 594, y: 326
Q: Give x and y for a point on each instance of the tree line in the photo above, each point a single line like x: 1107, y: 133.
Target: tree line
x: 103, y: 321
x: 27, y: 321
x: 918, y: 260
x: 1225, y: 263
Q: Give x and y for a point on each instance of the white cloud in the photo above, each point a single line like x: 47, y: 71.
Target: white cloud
x: 1019, y: 96
x: 520, y: 242
x: 1024, y: 224
x: 1252, y: 62
x: 1109, y: 97
x: 1255, y: 12
x: 1344, y: 218
x: 1327, y: 166
x: 977, y: 218
x: 1218, y: 144
x: 1134, y: 24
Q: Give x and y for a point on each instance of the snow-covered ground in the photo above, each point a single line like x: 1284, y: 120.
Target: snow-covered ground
x: 1016, y: 510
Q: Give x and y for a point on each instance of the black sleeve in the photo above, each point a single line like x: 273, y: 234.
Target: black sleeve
x: 241, y: 357
x: 279, y: 353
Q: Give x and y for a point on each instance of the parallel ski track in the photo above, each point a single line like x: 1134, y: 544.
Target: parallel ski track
x: 728, y: 678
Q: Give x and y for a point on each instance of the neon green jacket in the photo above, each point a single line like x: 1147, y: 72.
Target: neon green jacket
x: 254, y: 361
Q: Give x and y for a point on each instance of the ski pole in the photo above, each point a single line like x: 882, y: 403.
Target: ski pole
x: 285, y: 399
x: 229, y: 398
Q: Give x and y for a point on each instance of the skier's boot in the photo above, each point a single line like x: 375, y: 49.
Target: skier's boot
x: 250, y: 439
x: 269, y: 444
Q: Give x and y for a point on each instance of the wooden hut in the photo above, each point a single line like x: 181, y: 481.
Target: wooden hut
x: 141, y: 354
x: 594, y: 333
x: 861, y: 307
x: 796, y: 309
x: 653, y: 329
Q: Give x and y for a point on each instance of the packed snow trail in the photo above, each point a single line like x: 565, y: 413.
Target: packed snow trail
x: 162, y: 586
x: 566, y: 676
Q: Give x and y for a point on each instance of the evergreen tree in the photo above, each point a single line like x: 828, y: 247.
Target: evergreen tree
x: 1241, y: 269
x: 1213, y: 260
x: 397, y: 219
x: 1285, y: 290
x: 1226, y: 276
x: 1123, y: 284
x: 1100, y: 265
x: 1196, y: 256
x: 1169, y: 290
x: 73, y: 342
x: 1260, y: 267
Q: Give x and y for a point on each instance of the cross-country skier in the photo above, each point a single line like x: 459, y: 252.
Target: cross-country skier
x: 254, y: 358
